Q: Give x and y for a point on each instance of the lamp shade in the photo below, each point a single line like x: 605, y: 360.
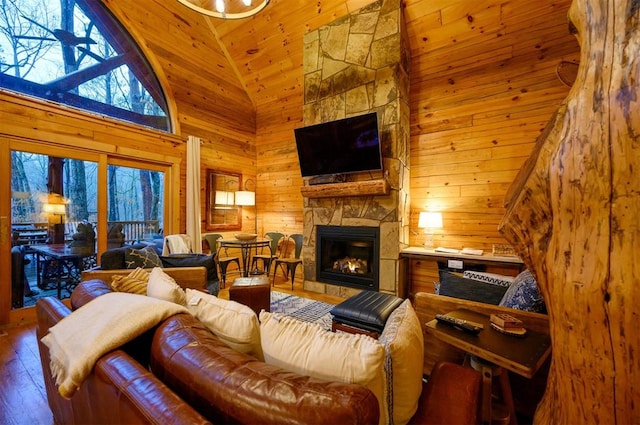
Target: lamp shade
x: 245, y: 197
x: 430, y: 220
x: 58, y: 209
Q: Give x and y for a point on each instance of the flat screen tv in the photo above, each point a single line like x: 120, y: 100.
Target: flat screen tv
x: 348, y: 145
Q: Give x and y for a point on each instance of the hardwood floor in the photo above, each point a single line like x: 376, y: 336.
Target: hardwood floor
x: 23, y: 398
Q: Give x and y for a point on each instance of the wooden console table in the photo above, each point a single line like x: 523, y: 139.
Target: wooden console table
x: 486, y: 259
x: 432, y: 254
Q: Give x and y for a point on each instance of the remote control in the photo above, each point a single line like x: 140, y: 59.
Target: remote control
x: 465, y: 325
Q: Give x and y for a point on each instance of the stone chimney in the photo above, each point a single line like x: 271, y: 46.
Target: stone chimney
x: 354, y: 65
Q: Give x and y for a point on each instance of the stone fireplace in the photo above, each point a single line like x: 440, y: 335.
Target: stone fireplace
x: 354, y: 65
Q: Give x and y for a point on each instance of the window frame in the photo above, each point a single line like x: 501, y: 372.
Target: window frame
x: 127, y: 51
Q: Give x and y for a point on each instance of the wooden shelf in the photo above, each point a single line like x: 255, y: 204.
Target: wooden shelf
x: 332, y: 190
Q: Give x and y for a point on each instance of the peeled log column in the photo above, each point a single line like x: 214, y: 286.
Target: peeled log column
x: 573, y: 214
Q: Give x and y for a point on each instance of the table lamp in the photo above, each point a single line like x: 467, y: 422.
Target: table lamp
x: 429, y: 221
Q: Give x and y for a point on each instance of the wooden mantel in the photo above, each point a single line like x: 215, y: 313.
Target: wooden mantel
x: 332, y: 190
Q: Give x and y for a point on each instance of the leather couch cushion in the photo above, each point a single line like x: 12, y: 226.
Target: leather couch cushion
x: 404, y: 344
x: 234, y: 323
x: 308, y: 349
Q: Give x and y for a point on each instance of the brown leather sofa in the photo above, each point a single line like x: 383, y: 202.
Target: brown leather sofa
x: 180, y: 372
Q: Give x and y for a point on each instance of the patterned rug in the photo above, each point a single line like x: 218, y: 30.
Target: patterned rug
x: 302, y: 308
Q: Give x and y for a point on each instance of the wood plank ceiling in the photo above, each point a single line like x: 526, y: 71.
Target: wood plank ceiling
x: 483, y: 86
x: 220, y: 71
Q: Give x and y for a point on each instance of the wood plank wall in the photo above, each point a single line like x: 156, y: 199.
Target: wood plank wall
x: 483, y: 86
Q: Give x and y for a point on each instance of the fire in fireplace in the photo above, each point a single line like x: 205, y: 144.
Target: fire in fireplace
x: 348, y: 256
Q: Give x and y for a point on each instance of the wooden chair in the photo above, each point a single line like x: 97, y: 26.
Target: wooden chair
x: 267, y: 259
x: 290, y: 263
x: 223, y: 262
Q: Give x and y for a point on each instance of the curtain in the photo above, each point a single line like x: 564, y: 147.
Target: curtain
x: 193, y: 192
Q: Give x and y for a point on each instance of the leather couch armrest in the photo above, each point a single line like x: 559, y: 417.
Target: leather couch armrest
x: 140, y: 396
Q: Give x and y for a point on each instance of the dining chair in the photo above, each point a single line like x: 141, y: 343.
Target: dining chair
x: 267, y: 259
x: 290, y: 263
x: 223, y: 262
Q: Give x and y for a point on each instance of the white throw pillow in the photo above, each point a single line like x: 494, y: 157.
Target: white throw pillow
x: 162, y: 286
x: 404, y: 343
x: 308, y: 349
x: 235, y: 324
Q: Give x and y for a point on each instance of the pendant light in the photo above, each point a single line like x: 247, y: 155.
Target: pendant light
x: 226, y: 9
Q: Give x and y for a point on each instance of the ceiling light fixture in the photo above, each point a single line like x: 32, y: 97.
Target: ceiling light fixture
x: 226, y: 9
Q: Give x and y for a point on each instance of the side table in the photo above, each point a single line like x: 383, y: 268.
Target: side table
x: 495, y: 354
x: 254, y: 292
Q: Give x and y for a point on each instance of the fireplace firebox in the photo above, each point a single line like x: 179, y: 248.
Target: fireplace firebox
x: 348, y: 256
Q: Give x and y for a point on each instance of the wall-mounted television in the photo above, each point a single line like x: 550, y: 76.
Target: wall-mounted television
x: 348, y: 145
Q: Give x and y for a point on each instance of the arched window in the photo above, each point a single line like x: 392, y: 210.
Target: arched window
x: 76, y: 53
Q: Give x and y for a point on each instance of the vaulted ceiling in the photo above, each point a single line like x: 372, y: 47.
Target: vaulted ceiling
x: 218, y: 72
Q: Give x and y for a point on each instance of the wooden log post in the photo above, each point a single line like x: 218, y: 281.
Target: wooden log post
x: 573, y: 214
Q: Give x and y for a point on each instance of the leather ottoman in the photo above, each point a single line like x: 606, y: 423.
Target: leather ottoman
x: 254, y: 292
x: 366, y: 312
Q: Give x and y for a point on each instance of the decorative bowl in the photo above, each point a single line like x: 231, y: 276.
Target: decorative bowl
x: 245, y: 236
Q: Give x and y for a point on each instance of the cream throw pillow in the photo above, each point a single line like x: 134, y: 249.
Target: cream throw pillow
x: 404, y: 344
x: 234, y: 323
x: 308, y: 349
x: 133, y: 283
x: 163, y: 287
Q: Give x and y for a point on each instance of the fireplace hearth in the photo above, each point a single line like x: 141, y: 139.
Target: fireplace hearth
x: 348, y: 256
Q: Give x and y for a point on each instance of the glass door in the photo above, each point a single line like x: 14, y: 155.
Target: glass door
x: 61, y: 208
x: 53, y: 224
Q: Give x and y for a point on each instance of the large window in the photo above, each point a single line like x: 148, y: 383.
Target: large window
x: 75, y: 52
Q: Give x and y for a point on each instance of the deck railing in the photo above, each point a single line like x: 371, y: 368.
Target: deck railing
x: 134, y: 230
